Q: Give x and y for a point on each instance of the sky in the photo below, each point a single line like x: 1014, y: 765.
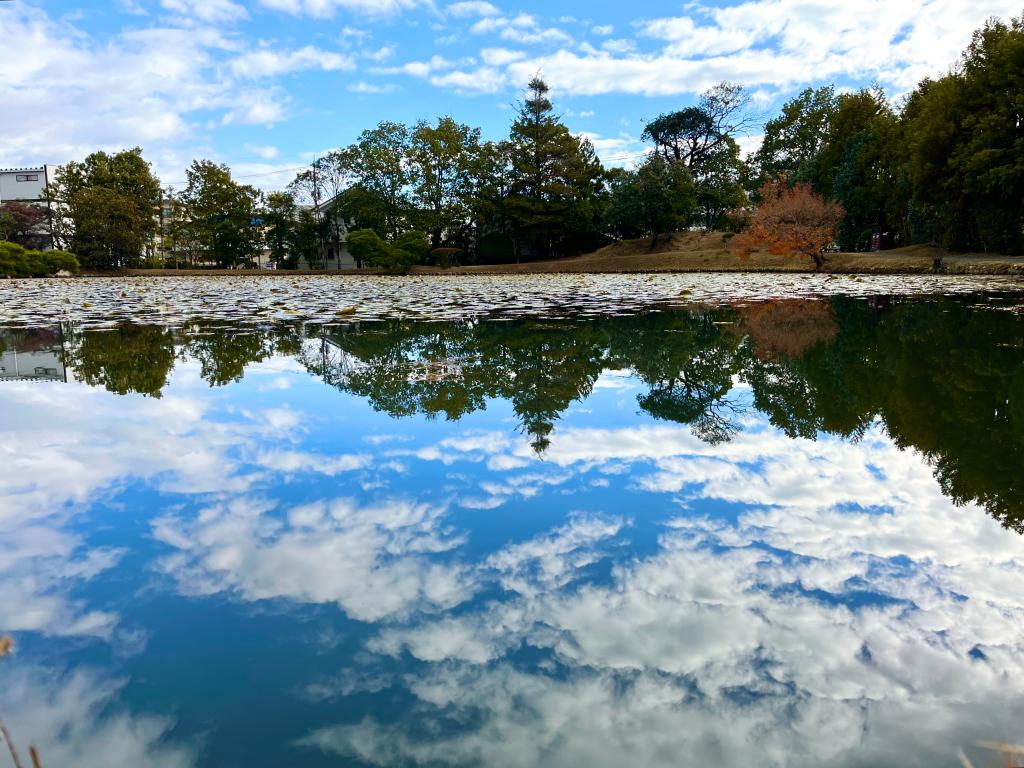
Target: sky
x: 268, y: 85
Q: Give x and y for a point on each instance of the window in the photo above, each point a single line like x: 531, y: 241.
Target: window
x: 27, y: 177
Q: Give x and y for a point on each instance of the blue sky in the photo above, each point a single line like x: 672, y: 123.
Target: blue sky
x: 265, y: 85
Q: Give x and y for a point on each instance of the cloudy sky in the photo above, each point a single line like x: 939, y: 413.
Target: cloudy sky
x: 265, y: 85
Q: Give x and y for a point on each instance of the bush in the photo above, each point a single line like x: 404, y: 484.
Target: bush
x: 365, y: 245
x: 415, y: 243
x: 55, y: 261
x: 16, y: 261
x: 12, y: 260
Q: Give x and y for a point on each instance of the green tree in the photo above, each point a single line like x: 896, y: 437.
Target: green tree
x: 855, y: 114
x: 307, y: 238
x: 380, y: 164
x: 552, y: 172
x: 124, y: 360
x: 493, y: 179
x: 106, y: 208
x: 964, y: 135
x: 219, y: 215
x: 703, y: 139
x: 719, y: 188
x: 867, y: 185
x: 656, y: 198
x: 793, y: 140
x: 365, y: 245
x: 443, y: 158
x: 692, y: 135
x: 279, y: 219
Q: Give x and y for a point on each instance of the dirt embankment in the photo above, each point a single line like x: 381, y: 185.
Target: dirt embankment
x: 703, y: 252
x: 710, y: 252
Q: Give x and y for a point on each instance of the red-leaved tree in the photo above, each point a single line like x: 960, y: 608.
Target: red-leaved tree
x: 790, y: 221
x: 24, y: 224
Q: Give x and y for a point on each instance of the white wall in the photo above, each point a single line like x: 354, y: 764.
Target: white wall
x: 12, y: 189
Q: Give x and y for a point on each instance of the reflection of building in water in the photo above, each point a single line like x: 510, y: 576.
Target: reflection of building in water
x: 36, y: 355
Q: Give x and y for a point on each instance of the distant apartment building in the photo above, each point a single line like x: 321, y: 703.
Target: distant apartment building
x: 24, y: 185
x: 28, y: 186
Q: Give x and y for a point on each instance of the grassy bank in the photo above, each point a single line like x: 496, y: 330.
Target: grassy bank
x: 700, y: 252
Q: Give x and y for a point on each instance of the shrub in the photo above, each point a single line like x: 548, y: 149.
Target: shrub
x: 367, y: 246
x: 415, y: 243
x: 12, y: 260
x: 16, y: 261
x: 55, y: 261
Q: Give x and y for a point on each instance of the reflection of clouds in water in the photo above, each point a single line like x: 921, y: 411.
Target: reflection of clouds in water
x: 373, y: 561
x: 73, y: 721
x: 37, y: 566
x: 66, y: 444
x: 301, y: 461
x: 64, y: 447
x: 60, y: 446
x: 807, y: 631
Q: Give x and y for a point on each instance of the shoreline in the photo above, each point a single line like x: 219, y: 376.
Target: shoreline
x: 857, y: 264
x: 687, y: 252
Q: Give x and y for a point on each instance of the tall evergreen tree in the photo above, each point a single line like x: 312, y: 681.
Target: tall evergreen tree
x: 552, y: 171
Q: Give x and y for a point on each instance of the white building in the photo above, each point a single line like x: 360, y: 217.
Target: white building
x: 24, y: 185
x: 32, y: 356
x: 28, y: 186
x: 336, y: 255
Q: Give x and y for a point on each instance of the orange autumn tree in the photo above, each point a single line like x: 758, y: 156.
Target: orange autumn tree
x: 790, y: 220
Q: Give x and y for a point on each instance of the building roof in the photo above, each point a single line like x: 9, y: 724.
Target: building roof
x: 20, y: 170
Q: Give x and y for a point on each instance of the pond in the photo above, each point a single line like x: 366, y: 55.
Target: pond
x: 584, y: 521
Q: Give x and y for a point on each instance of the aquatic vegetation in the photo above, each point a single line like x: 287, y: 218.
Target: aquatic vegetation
x: 103, y: 302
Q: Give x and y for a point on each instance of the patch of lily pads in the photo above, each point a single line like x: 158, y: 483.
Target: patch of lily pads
x: 171, y: 301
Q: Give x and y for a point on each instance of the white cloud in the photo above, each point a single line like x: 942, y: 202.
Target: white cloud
x: 780, y: 44
x: 211, y: 11
x: 38, y: 568
x: 325, y: 9
x: 364, y: 87
x: 472, y: 8
x: 271, y: 63
x: 267, y: 153
x: 499, y: 57
x: 381, y: 54
x: 522, y: 28
x: 300, y: 461
x: 75, y: 719
x: 137, y: 86
x: 733, y: 632
x: 602, y: 29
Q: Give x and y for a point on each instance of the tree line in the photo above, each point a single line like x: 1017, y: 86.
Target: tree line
x: 943, y: 166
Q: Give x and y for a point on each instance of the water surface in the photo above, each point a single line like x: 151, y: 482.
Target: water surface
x: 708, y: 533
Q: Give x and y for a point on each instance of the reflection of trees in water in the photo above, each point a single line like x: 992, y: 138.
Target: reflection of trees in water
x: 128, y: 359
x: 688, y: 362
x: 404, y: 368
x: 788, y: 328
x: 945, y: 378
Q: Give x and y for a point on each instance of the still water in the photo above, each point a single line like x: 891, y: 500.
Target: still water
x: 777, y: 532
